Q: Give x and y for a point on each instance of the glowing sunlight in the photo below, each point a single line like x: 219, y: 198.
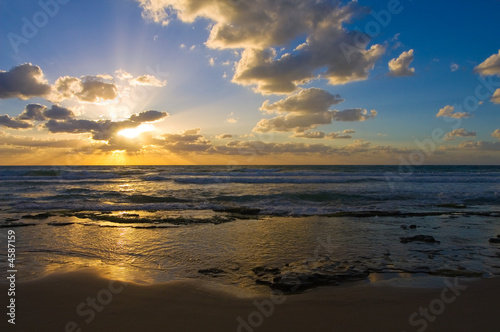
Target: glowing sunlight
x: 135, y: 132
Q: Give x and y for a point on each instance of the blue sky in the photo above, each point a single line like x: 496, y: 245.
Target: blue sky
x: 176, y: 68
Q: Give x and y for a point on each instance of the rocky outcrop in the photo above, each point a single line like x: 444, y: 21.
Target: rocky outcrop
x: 295, y: 282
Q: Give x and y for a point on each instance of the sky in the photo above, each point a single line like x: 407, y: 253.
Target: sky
x: 240, y: 82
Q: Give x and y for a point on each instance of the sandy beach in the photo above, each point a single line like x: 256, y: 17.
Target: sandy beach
x: 84, y: 301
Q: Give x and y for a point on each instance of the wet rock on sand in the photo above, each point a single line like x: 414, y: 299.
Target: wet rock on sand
x: 37, y: 216
x: 419, y: 238
x: 408, y: 227
x: 262, y: 270
x: 213, y: 272
x: 239, y: 210
x: 495, y: 240
x: 17, y: 224
x: 296, y: 279
x: 291, y: 282
x: 457, y: 273
x: 60, y: 224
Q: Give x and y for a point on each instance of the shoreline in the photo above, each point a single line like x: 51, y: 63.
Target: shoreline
x: 85, y: 301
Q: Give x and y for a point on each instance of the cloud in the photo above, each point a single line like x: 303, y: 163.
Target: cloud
x: 103, y: 130
x: 75, y: 126
x: 148, y: 80
x: 495, y: 98
x: 311, y: 134
x: 123, y: 143
x: 320, y: 134
x: 37, y: 112
x: 92, y: 89
x: 454, y: 67
x: 148, y: 116
x: 359, y: 144
x: 33, y: 112
x: 306, y: 101
x: 337, y: 136
x: 253, y: 24
x: 490, y: 66
x: 260, y: 27
x: 449, y: 112
x: 186, y: 141
x: 38, y: 143
x: 354, y: 114
x: 306, y: 110
x: 57, y: 112
x: 9, y: 122
x: 459, y: 133
x: 302, y: 111
x: 262, y: 148
x: 123, y: 75
x: 62, y: 120
x: 294, y: 122
x: 23, y: 82
x: 401, y: 66
x: 144, y: 80
x: 481, y: 146
x: 224, y: 136
x: 271, y: 74
x: 231, y: 118
x: 496, y: 134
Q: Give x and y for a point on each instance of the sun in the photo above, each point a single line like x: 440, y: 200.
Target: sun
x: 135, y: 132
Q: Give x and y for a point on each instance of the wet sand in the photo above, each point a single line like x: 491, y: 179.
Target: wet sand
x: 83, y: 301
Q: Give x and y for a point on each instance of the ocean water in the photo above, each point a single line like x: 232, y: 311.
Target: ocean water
x: 160, y: 223
x: 275, y: 190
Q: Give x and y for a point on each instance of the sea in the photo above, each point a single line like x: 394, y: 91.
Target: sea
x: 230, y: 225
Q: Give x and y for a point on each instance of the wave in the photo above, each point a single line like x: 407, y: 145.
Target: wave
x: 43, y: 173
x: 250, y: 180
x: 320, y: 197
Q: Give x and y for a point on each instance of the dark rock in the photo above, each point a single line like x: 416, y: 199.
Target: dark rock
x: 214, y: 272
x: 136, y: 219
x: 404, y: 227
x: 455, y: 206
x: 293, y: 282
x: 495, y: 240
x: 154, y: 226
x: 457, y: 273
x: 263, y: 282
x: 38, y: 216
x: 239, y: 210
x: 130, y: 215
x: 413, y: 227
x: 419, y: 238
x: 60, y: 224
x: 20, y: 224
x: 262, y: 270
x: 11, y: 219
